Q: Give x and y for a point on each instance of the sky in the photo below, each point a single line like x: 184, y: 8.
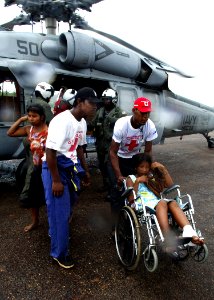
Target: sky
x: 179, y: 32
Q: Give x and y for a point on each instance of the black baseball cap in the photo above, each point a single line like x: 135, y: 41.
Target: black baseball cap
x: 87, y: 93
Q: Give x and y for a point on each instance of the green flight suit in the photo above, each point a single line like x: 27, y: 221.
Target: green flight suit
x: 103, y: 125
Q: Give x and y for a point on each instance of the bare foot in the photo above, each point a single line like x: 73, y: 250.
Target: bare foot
x: 197, y: 241
x: 31, y: 227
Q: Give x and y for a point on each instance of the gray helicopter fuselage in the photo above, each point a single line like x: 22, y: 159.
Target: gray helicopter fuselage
x: 80, y: 60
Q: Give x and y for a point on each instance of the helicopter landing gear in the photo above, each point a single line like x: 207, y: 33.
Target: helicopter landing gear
x: 210, y: 140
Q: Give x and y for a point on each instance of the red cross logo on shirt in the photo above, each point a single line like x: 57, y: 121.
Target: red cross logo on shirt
x: 74, y: 146
x: 132, y: 145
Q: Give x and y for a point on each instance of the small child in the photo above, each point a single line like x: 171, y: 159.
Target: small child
x: 36, y: 132
x: 149, y: 182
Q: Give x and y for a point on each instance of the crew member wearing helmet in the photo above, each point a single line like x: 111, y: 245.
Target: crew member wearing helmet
x: 43, y: 92
x: 102, y: 125
x: 65, y: 101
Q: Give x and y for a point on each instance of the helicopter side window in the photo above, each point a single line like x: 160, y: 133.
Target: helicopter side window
x: 125, y: 95
x: 157, y: 103
x: 9, y: 106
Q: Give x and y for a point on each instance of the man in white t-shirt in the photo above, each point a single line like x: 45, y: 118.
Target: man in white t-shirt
x: 63, y: 165
x: 130, y: 134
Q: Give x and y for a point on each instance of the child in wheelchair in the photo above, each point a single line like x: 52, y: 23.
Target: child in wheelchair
x: 148, y: 184
x: 151, y: 204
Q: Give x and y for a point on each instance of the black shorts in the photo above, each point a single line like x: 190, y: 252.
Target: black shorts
x: 127, y: 166
x: 36, y: 197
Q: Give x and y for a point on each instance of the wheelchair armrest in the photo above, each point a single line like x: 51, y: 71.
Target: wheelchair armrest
x: 126, y: 193
x: 170, y: 189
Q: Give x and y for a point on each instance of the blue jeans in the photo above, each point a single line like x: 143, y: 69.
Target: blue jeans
x: 59, y: 210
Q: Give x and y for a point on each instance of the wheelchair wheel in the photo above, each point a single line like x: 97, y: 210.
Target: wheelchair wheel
x: 150, y: 259
x: 128, y: 238
x: 199, y: 253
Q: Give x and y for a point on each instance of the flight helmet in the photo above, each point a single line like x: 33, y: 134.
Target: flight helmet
x: 111, y: 95
x: 44, y: 90
x: 64, y: 102
x: 69, y: 95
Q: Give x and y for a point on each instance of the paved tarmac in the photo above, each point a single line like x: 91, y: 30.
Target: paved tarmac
x: 27, y: 272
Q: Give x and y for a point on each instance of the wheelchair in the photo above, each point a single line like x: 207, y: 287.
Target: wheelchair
x: 128, y: 232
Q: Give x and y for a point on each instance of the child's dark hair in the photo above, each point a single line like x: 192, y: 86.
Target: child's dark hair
x: 37, y: 108
x: 142, y: 157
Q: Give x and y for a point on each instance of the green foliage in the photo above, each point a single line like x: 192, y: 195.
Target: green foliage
x: 8, y: 94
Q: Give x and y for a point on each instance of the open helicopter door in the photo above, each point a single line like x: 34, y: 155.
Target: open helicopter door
x: 127, y: 93
x: 11, y: 108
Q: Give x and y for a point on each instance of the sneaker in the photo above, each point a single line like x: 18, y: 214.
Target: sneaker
x: 66, y: 263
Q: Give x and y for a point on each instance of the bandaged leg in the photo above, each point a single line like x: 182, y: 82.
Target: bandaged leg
x: 188, y: 231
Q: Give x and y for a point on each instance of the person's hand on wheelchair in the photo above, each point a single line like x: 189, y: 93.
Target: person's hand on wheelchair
x: 120, y: 181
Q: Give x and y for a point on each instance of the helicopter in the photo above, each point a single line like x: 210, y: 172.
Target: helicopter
x: 77, y: 59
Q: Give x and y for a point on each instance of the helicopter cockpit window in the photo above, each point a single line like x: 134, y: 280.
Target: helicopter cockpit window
x: 9, y: 107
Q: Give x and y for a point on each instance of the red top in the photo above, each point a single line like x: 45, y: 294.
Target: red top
x: 37, y: 145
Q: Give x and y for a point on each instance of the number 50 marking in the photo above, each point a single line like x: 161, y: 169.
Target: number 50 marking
x: 28, y: 48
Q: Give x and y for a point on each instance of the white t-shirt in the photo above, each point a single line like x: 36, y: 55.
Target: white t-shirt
x: 65, y: 134
x: 131, y: 139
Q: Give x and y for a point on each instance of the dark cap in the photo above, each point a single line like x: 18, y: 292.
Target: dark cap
x: 87, y: 93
